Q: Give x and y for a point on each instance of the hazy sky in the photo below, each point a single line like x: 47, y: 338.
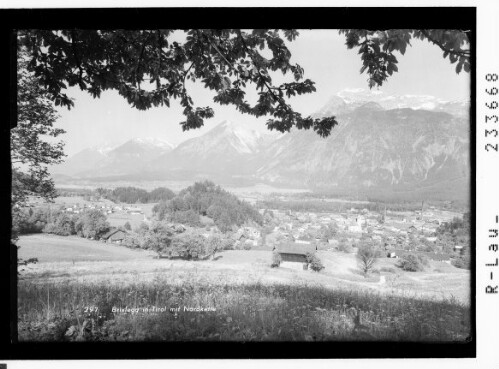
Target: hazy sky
x: 323, y: 55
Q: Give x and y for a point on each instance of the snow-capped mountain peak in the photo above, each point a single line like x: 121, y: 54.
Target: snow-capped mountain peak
x: 243, y: 138
x: 348, y: 100
x: 153, y: 141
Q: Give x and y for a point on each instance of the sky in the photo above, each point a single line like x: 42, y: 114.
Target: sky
x: 326, y: 61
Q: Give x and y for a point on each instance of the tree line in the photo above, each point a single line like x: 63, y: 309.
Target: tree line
x: 134, y: 195
x: 88, y: 224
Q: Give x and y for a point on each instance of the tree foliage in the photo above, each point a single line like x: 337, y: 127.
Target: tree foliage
x: 149, y: 68
x: 32, y: 150
x: 413, y: 262
x: 206, y: 198
x: 377, y: 48
x: 158, y: 237
x: 314, y: 262
x: 190, y: 245
x: 92, y: 224
x: 133, y: 195
x: 276, y: 260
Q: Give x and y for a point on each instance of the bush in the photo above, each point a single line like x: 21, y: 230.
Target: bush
x: 132, y: 241
x: 227, y: 244
x: 128, y: 226
x: 388, y: 270
x: 247, y: 246
x: 276, y: 260
x: 413, y: 263
x: 462, y: 262
x: 344, y: 246
x: 142, y: 229
x: 314, y: 262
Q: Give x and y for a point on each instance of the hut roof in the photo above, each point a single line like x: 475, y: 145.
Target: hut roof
x: 295, y: 248
x: 111, y: 232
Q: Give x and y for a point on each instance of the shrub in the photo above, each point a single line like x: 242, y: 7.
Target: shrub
x: 128, y: 226
x: 132, y: 241
x: 247, y: 246
x: 276, y: 260
x: 462, y: 262
x: 314, y: 262
x: 388, y: 270
x: 344, y: 246
x: 227, y: 244
x: 412, y: 263
x: 142, y: 229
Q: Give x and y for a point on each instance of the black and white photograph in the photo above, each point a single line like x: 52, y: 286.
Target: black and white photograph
x: 317, y: 184
x: 242, y: 185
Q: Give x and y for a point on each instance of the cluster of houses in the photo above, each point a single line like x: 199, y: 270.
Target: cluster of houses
x: 77, y: 208
x: 299, y: 231
x: 106, y: 208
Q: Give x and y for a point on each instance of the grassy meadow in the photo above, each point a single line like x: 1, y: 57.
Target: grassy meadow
x: 78, y: 298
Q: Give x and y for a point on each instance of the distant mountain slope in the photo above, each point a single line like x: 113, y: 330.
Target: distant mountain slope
x: 84, y: 160
x: 225, y: 149
x: 353, y: 98
x: 123, y: 159
x: 370, y: 148
x: 380, y: 145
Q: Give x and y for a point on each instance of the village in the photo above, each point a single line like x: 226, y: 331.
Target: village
x: 395, y: 232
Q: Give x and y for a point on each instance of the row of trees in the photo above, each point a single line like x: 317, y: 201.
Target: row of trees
x: 171, y: 241
x: 134, y: 195
x: 207, y: 199
x: 89, y: 224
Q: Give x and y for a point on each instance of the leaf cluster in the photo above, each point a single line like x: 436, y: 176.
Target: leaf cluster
x: 377, y: 48
x: 149, y: 69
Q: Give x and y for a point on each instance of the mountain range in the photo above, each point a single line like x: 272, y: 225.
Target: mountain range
x: 401, y: 144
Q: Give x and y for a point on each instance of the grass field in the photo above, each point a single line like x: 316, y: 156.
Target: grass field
x: 251, y: 300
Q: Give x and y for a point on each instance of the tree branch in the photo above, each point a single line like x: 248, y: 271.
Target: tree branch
x: 263, y: 79
x: 463, y: 53
x: 186, y: 73
x: 140, y: 60
x: 73, y: 47
x: 219, y: 53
